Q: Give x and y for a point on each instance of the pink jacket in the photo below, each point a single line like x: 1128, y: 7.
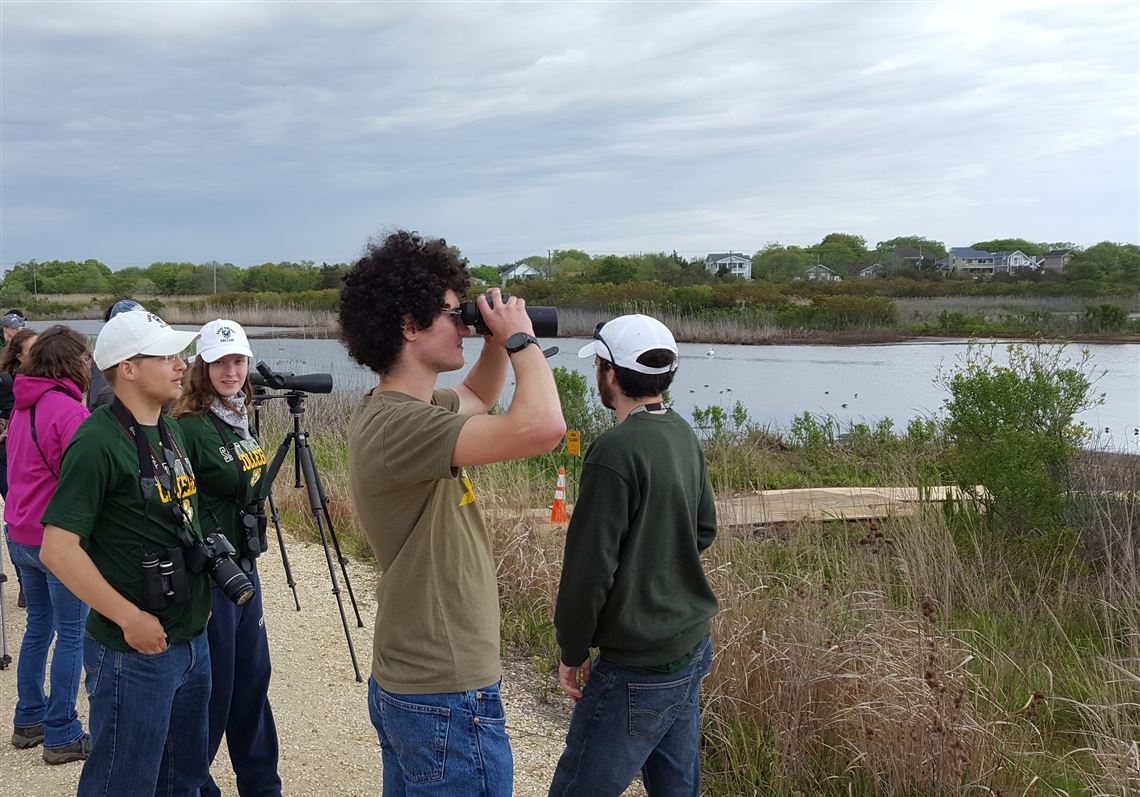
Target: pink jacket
x: 31, y: 481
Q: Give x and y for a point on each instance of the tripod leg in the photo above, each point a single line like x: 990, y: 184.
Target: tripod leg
x: 336, y: 542
x: 305, y: 463
x: 276, y: 518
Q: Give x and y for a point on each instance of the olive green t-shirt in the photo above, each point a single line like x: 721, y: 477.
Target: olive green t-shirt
x: 225, y: 484
x: 437, y: 615
x: 99, y: 499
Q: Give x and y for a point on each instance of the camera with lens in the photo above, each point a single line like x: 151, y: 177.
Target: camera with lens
x: 266, y: 377
x: 213, y: 555
x: 253, y: 527
x: 544, y: 319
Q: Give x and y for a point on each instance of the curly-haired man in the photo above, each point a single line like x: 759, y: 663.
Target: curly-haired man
x: 434, y: 691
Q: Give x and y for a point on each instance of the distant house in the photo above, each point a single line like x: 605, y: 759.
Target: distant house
x: 968, y: 260
x: 912, y: 254
x: 1012, y: 262
x: 1057, y: 259
x: 738, y: 265
x: 873, y: 270
x: 823, y: 273
x: 978, y: 262
x: 518, y: 271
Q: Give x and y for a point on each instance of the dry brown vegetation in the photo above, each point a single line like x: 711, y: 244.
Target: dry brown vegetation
x: 916, y: 656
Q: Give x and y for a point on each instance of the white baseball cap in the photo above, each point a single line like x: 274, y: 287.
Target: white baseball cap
x: 137, y: 332
x: 627, y: 337
x: 222, y: 337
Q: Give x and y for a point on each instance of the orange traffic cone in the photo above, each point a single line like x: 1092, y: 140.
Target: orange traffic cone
x: 558, y: 510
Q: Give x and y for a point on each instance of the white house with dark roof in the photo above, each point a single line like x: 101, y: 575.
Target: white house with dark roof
x: 518, y: 271
x: 738, y: 265
x: 872, y: 271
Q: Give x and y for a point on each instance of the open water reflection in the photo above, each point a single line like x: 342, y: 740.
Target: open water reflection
x: 775, y: 383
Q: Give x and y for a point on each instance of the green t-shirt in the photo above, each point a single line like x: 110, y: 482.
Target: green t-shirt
x: 222, y: 490
x: 99, y: 499
x: 437, y: 615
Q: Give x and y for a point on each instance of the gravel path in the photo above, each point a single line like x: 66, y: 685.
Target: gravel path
x: 328, y: 745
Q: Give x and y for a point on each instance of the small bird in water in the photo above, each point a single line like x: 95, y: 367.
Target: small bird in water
x: 844, y: 406
x: 709, y: 353
x: 827, y: 392
x: 856, y: 395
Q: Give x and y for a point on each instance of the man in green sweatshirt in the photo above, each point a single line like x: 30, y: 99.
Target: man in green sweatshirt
x: 632, y: 582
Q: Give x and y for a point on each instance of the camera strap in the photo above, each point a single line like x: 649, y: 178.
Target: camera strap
x: 225, y: 431
x: 32, y: 420
x: 154, y: 470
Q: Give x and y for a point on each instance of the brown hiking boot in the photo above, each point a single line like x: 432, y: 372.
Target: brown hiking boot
x: 76, y: 751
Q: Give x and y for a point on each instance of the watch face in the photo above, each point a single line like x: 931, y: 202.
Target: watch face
x: 519, y: 341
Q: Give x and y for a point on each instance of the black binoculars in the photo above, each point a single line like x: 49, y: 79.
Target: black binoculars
x: 544, y: 319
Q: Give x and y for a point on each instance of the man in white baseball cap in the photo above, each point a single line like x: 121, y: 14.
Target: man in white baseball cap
x: 136, y: 334
x: 624, y: 339
x: 115, y: 533
x: 632, y: 582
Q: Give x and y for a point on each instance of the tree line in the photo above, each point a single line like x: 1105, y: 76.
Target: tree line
x: 1106, y: 267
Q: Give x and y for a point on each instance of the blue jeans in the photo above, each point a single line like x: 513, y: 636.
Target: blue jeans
x: 626, y: 722
x: 52, y: 611
x: 148, y: 721
x: 452, y: 744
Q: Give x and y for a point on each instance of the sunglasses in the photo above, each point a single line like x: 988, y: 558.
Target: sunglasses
x: 598, y: 337
x: 456, y: 314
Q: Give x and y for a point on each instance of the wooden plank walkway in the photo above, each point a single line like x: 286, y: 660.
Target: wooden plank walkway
x: 819, y: 504
x: 830, y: 503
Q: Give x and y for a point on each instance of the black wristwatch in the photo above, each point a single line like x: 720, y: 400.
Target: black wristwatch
x: 519, y: 341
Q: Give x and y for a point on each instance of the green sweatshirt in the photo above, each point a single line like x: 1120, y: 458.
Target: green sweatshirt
x: 632, y: 582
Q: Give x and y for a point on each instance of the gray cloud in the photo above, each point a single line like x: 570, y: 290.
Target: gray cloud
x: 260, y: 131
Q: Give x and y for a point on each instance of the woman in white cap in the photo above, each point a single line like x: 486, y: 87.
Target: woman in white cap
x: 230, y: 463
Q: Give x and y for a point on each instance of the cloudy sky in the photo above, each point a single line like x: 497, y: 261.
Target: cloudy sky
x: 254, y: 131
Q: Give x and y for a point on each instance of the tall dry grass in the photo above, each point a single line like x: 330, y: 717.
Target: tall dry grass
x: 303, y: 322
x: 915, y: 656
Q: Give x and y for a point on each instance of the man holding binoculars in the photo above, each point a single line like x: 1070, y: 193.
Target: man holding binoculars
x: 434, y: 692
x: 127, y: 499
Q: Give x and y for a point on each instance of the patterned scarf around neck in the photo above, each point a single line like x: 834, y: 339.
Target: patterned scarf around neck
x: 239, y: 420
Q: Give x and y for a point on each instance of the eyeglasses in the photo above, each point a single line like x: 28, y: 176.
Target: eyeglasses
x: 456, y: 314
x: 166, y: 358
x: 598, y: 337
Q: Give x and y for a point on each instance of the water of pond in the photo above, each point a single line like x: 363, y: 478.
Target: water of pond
x: 775, y: 383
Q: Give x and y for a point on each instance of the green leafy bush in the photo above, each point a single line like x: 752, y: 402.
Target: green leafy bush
x: 1013, y: 428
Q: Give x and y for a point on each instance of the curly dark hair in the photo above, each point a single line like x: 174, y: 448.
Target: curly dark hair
x: 405, y: 275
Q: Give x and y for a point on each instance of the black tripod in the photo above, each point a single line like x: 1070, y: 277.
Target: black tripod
x: 305, y: 472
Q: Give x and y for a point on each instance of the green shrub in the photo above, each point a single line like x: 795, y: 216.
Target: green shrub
x: 1106, y: 317
x: 1013, y: 429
